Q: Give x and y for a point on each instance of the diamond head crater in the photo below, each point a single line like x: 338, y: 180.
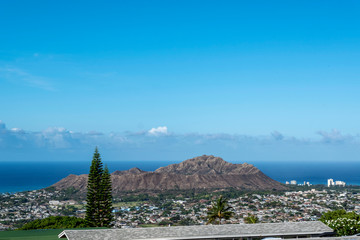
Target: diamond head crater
x: 203, y: 172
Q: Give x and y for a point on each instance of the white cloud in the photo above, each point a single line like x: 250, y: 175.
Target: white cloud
x: 158, y: 131
x: 55, y: 130
x: 55, y: 141
x: 17, y: 130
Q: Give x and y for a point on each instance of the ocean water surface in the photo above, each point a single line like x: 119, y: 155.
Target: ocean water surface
x: 23, y: 176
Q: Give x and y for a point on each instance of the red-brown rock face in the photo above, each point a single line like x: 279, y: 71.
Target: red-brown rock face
x: 204, y: 172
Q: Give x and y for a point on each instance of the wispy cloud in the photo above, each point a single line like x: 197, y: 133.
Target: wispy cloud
x: 58, y: 137
x: 335, y: 136
x: 157, y: 143
x: 20, y: 76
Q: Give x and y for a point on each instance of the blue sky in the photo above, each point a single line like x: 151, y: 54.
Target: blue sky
x: 248, y: 80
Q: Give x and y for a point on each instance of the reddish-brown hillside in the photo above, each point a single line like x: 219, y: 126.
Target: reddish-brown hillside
x: 204, y: 172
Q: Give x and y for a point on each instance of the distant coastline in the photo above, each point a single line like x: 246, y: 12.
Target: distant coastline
x: 23, y: 176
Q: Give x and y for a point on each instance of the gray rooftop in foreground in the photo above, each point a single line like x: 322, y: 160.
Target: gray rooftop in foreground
x: 329, y: 238
x: 313, y: 228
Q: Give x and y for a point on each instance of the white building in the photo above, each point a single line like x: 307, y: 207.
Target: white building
x: 306, y: 183
x: 336, y: 183
x: 340, y: 183
x: 293, y: 182
x: 330, y: 182
x: 54, y: 202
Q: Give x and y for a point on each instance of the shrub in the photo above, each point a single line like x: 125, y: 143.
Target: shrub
x: 53, y: 222
x: 344, y: 226
x: 344, y: 223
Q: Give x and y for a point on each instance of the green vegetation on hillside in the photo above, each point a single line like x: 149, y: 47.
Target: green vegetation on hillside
x: 344, y: 223
x: 57, y: 222
x: 251, y: 219
x: 219, y: 210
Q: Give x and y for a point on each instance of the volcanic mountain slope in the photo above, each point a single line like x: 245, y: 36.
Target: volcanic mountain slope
x: 204, y: 172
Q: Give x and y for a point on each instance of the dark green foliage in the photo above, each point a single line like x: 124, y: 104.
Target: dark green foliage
x: 135, y: 198
x: 332, y: 215
x: 98, y: 198
x: 175, y: 218
x: 57, y: 222
x: 219, y: 210
x: 344, y: 223
x: 106, y: 216
x: 251, y: 219
x: 164, y: 223
x: 68, y: 210
x: 187, y: 222
x: 93, y: 191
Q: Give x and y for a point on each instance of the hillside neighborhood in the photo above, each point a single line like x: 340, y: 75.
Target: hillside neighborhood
x: 289, y: 206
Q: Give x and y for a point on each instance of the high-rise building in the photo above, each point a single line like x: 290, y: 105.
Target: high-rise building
x: 330, y: 182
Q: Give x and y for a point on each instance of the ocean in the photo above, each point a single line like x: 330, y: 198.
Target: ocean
x: 23, y: 176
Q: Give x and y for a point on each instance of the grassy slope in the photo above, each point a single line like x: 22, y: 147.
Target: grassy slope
x: 41, y: 234
x: 50, y: 234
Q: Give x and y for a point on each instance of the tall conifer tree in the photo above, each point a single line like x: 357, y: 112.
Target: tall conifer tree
x: 98, y: 198
x: 106, y: 201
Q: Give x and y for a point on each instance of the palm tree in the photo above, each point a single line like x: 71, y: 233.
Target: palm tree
x: 219, y: 210
x: 251, y: 219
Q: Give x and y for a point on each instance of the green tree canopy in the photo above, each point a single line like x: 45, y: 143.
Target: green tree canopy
x: 332, y: 215
x: 106, y: 216
x: 251, y: 219
x: 344, y: 223
x: 219, y: 210
x: 53, y: 222
x: 98, y: 198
